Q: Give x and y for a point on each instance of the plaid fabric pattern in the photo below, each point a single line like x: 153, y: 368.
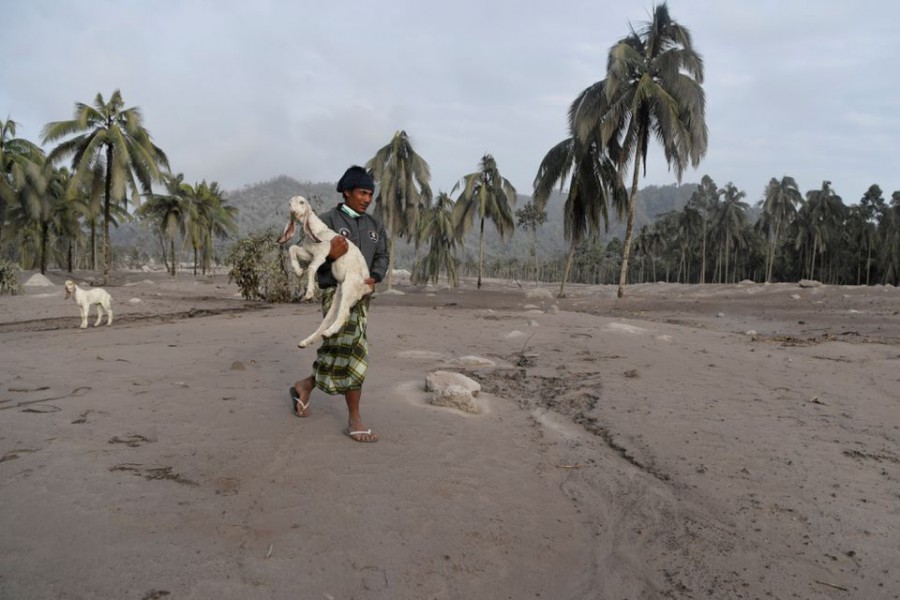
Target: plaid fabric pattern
x: 341, y: 363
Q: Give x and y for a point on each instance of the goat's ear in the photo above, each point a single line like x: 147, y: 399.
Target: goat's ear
x: 288, y: 232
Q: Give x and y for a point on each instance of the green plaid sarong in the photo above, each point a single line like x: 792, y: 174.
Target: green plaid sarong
x: 341, y: 363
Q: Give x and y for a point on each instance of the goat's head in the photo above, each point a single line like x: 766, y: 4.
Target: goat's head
x: 299, y: 210
x: 70, y: 288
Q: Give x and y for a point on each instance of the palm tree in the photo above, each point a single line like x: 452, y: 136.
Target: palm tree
x: 113, y: 135
x: 488, y: 196
x: 705, y: 201
x: 67, y: 217
x: 593, y: 184
x: 403, y: 187
x: 170, y: 213
x: 531, y: 217
x: 779, y: 208
x: 653, y: 88
x: 20, y: 165
x: 219, y: 218
x: 436, y: 225
x: 826, y: 213
x: 730, y: 224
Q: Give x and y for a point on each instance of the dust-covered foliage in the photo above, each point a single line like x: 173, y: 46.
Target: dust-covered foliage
x: 9, y: 282
x: 257, y: 265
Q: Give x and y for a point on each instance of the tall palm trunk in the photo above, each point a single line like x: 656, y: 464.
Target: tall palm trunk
x: 703, y: 255
x: 772, y: 248
x: 93, y: 243
x: 107, y: 248
x: 569, y: 260
x: 45, y: 234
x: 390, y: 270
x: 172, y: 248
x: 727, y: 251
x: 480, y: 254
x: 812, y: 268
x: 629, y: 225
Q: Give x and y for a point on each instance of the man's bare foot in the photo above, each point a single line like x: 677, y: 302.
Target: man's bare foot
x: 300, y: 393
x: 360, y: 433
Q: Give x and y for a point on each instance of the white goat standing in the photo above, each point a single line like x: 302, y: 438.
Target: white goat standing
x: 350, y: 270
x: 85, y: 298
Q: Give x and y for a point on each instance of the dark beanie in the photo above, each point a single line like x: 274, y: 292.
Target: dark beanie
x: 356, y: 177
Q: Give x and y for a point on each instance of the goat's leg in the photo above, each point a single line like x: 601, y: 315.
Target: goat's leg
x: 329, y: 318
x: 109, y: 314
x: 99, y: 315
x: 295, y: 252
x: 311, y: 285
x: 344, y: 298
x: 84, y: 316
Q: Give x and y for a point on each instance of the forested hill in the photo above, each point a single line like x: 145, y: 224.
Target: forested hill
x: 263, y: 205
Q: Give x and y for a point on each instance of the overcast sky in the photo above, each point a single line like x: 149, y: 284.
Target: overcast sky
x: 243, y: 91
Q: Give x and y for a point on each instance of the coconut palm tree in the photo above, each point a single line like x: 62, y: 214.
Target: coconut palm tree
x: 779, y: 207
x: 109, y: 133
x: 220, y: 219
x: 20, y: 170
x: 730, y: 224
x: 530, y: 217
x: 826, y: 214
x: 653, y: 89
x: 705, y: 201
x: 67, y: 216
x: 595, y: 182
x: 403, y: 187
x: 486, y: 195
x: 170, y: 213
x: 436, y: 226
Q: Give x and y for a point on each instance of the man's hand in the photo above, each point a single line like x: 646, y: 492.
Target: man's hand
x: 338, y: 247
x: 371, y: 284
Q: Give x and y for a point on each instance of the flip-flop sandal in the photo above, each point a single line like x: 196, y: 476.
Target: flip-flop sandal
x: 353, y: 436
x: 296, y: 402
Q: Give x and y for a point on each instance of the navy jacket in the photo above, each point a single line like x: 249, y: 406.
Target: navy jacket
x: 367, y: 233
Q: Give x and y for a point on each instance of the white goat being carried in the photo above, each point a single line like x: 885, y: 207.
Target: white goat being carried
x: 350, y: 270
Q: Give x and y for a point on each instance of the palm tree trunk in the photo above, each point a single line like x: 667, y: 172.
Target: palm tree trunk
x: 172, y: 250
x: 868, y: 262
x: 44, y: 235
x: 481, y: 254
x: 569, y: 260
x: 93, y: 243
x: 812, y: 268
x: 727, y: 249
x: 107, y: 249
x: 703, y: 255
x: 772, y: 248
x: 390, y: 273
x: 629, y: 225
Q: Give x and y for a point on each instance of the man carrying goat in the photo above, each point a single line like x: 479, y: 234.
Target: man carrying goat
x: 341, y: 361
